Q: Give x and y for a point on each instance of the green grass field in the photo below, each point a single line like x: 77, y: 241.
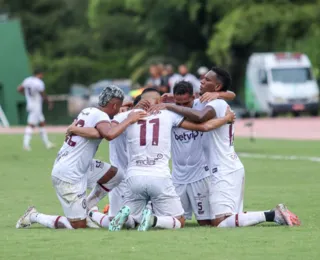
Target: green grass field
x: 25, y: 180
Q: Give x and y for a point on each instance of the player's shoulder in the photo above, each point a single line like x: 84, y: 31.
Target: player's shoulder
x: 93, y: 111
x: 217, y: 103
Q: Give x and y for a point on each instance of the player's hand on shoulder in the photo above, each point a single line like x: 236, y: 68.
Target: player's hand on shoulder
x: 136, y: 116
x: 156, y: 108
x: 230, y: 115
x: 209, y: 96
x: 167, y: 98
x: 71, y: 128
x: 143, y: 104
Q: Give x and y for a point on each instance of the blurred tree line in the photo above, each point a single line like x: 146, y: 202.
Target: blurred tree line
x: 85, y: 41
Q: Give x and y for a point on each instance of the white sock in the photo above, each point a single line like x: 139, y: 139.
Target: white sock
x: 104, y: 220
x: 244, y: 219
x: 44, y: 136
x: 168, y: 223
x: 100, y: 218
x: 97, y: 193
x: 50, y: 221
x: 27, y: 136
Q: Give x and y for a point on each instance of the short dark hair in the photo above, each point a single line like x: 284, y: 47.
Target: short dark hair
x: 183, y: 87
x: 224, y: 77
x: 146, y: 90
x: 136, y: 100
x: 37, y: 71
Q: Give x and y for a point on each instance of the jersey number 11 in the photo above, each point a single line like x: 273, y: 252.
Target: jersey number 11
x: 155, y: 131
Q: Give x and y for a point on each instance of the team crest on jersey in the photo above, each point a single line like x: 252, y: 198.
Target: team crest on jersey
x: 84, y: 203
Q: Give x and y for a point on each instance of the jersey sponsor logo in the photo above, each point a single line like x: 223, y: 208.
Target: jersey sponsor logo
x: 85, y: 114
x: 61, y: 155
x: 206, y: 168
x: 82, y: 195
x: 233, y: 156
x: 214, y: 170
x: 149, y: 161
x: 187, y: 136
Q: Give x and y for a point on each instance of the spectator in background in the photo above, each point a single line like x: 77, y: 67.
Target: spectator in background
x: 169, y: 78
x: 173, y: 77
x: 202, y: 71
x: 184, y: 72
x: 155, y: 76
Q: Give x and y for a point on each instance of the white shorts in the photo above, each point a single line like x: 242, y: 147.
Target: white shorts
x: 227, y: 193
x: 96, y: 170
x: 72, y: 198
x: 35, y: 117
x: 116, y: 198
x: 195, y: 198
x: 159, y: 190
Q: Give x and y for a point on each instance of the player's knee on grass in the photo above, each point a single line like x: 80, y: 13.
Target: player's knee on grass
x: 78, y: 223
x: 218, y: 219
x: 206, y: 222
x: 182, y: 220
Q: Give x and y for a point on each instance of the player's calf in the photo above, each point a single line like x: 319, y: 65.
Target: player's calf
x: 104, y: 185
x: 32, y: 216
x: 280, y: 215
x: 148, y: 221
x: 82, y: 223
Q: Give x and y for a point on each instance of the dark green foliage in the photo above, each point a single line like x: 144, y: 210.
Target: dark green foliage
x: 84, y: 41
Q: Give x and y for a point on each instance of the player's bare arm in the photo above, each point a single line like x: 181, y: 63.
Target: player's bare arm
x: 210, y: 124
x: 197, y: 116
x: 225, y: 95
x: 20, y: 89
x: 110, y: 132
x: 86, y: 132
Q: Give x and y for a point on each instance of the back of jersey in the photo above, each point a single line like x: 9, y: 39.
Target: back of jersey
x: 76, y: 154
x: 33, y: 87
x: 149, y: 144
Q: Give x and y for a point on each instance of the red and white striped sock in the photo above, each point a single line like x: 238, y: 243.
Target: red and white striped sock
x: 50, y: 221
x: 244, y: 219
x: 168, y: 223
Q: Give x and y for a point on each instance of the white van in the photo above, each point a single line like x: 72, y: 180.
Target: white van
x: 279, y: 83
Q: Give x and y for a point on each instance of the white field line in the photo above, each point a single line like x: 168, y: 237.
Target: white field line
x: 280, y: 157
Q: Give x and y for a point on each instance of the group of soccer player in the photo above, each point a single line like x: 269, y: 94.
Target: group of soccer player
x: 207, y: 177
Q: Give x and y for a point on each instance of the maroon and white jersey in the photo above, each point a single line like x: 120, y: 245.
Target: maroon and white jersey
x: 149, y: 144
x: 189, y: 163
x: 76, y: 154
x: 220, y: 140
x: 118, y: 147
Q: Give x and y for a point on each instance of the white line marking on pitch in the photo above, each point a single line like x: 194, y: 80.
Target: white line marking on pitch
x: 280, y: 157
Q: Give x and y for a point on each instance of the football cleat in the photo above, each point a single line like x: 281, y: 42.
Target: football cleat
x: 51, y: 146
x: 24, y: 221
x: 283, y: 216
x: 120, y: 219
x: 147, y: 220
